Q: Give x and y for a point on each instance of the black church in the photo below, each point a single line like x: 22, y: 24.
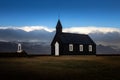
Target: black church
x: 71, y: 43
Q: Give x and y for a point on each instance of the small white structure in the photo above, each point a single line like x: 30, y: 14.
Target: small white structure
x: 19, y: 48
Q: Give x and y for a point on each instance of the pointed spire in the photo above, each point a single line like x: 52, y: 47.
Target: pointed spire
x: 59, y: 24
x: 58, y: 27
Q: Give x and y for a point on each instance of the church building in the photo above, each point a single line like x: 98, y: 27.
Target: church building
x: 71, y: 43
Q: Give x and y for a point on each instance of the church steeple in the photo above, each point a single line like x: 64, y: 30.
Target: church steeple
x: 58, y: 27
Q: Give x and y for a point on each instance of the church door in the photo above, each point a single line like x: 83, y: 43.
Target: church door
x: 56, y: 49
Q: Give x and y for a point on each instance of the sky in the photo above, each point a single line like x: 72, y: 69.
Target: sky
x: 72, y: 13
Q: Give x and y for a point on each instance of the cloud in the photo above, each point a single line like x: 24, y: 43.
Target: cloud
x: 32, y: 28
x: 29, y: 28
x: 110, y: 38
x: 84, y: 30
x: 90, y: 29
x: 18, y: 34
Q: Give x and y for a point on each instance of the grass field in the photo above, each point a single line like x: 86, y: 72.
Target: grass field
x: 61, y: 68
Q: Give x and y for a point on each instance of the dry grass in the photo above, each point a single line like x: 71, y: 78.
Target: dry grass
x: 61, y: 68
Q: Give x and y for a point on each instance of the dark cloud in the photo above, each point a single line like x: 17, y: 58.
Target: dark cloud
x: 106, y: 37
x: 110, y: 38
x: 34, y: 36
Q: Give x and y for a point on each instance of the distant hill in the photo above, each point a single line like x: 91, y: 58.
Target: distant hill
x: 29, y: 47
x: 8, y: 47
x: 43, y: 48
x: 38, y: 41
x: 106, y: 50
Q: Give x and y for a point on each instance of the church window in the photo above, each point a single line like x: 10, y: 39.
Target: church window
x: 90, y: 48
x: 70, y: 47
x: 81, y: 48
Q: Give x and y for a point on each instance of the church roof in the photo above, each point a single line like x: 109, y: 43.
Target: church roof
x: 71, y: 38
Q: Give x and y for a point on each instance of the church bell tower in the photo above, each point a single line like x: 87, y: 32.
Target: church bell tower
x: 58, y: 27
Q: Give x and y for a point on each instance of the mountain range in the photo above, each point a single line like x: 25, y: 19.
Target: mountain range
x: 38, y: 41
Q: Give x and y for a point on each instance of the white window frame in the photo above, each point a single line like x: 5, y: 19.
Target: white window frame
x: 90, y: 48
x: 70, y: 47
x: 81, y: 48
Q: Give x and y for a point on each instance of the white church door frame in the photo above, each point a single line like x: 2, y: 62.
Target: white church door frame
x: 56, y: 49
